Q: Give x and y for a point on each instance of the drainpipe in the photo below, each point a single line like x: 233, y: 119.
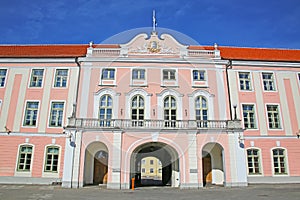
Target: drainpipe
x: 229, y: 66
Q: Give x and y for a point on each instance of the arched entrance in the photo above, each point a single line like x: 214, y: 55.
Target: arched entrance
x: 159, y: 160
x: 96, y: 164
x: 212, y: 164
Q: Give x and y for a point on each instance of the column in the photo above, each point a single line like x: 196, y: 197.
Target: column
x: 115, y: 157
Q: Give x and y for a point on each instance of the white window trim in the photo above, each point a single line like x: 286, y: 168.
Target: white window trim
x: 147, y: 106
x: 37, y: 116
x: 169, y: 81
x: 5, y: 77
x: 30, y: 76
x: 210, y: 104
x: 113, y: 81
x: 204, y: 81
x: 115, y: 98
x: 256, y: 117
x: 24, y: 173
x: 251, y: 81
x: 64, y: 113
x: 280, y: 117
x: 68, y: 78
x: 286, y: 162
x: 179, y: 104
x: 51, y: 174
x: 260, y: 162
x: 274, y: 79
x: 132, y: 81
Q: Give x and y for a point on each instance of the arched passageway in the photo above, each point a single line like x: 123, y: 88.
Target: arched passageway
x: 213, y: 164
x: 161, y: 158
x: 96, y: 164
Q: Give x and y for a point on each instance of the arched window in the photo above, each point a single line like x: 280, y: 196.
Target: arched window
x: 253, y: 159
x: 137, y: 110
x: 170, y: 111
x: 201, y: 111
x: 279, y: 161
x: 25, y: 157
x: 105, y: 110
x: 51, y: 160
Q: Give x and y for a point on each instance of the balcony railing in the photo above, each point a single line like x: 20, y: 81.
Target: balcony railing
x: 147, y: 124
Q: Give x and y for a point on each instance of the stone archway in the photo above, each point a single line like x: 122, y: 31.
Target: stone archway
x: 96, y: 164
x: 168, y: 157
x: 213, y: 164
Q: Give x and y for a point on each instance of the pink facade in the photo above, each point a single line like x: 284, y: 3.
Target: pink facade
x: 210, y: 115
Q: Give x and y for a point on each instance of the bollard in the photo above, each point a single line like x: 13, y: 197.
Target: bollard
x: 132, y: 183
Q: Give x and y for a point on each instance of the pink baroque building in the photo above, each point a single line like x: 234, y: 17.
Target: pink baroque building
x: 89, y: 114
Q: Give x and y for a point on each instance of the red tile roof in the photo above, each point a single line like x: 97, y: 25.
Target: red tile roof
x: 263, y: 54
x: 234, y: 53
x: 42, y: 50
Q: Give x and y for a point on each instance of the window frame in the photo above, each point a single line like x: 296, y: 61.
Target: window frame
x: 105, y: 122
x: 138, y: 121
x: 272, y: 80
x: 36, y: 76
x: 46, y: 160
x: 139, y: 74
x: 201, y: 122
x: 170, y: 108
x: 3, y: 77
x: 199, y: 75
x: 279, y: 117
x: 259, y: 159
x: 64, y: 77
x: 108, y: 74
x: 169, y: 74
x: 26, y: 112
x: 254, y: 114
x: 50, y: 114
x: 244, y: 81
x: 286, y: 166
x: 18, y: 170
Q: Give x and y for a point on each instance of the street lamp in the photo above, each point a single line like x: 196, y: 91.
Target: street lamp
x: 234, y: 107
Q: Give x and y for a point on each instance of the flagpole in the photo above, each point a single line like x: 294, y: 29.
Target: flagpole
x: 154, y: 21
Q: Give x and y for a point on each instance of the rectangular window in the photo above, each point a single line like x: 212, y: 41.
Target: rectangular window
x: 151, y: 162
x: 31, y: 113
x: 198, y: 75
x: 51, y: 161
x: 25, y: 155
x: 245, y: 82
x: 61, y: 77
x: 279, y: 161
x: 169, y: 74
x: 151, y: 170
x: 249, y: 116
x: 36, y: 78
x: 143, y: 170
x: 268, y: 81
x: 2, y: 77
x: 108, y: 74
x: 273, y: 116
x: 138, y: 74
x: 56, y: 115
x: 253, y: 161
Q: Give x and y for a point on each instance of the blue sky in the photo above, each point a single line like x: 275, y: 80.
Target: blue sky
x: 243, y: 23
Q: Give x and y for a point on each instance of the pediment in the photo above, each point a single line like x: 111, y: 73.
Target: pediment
x: 154, y: 44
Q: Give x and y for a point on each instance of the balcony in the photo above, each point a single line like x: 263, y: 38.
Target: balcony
x: 126, y: 124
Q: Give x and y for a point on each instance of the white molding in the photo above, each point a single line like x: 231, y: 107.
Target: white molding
x: 147, y: 99
x: 115, y: 98
x: 265, y: 63
x: 37, y: 60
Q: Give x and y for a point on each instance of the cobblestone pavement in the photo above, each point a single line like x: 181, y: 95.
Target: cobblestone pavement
x: 33, y: 192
